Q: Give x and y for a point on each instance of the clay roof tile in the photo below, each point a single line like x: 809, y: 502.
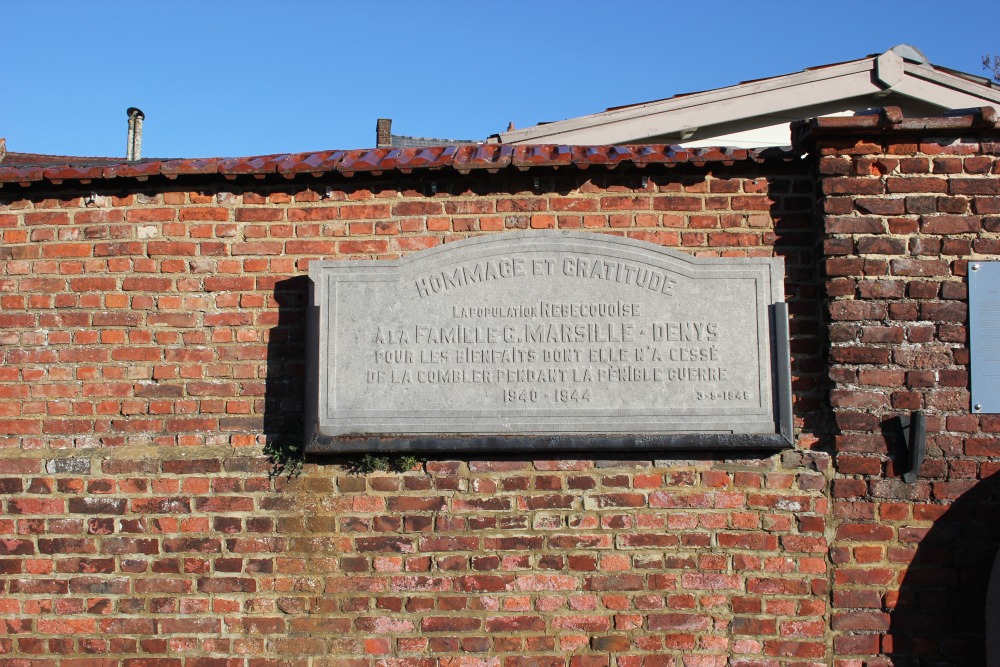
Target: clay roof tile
x: 28, y: 168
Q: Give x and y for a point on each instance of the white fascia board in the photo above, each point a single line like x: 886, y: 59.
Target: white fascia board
x: 972, y: 90
x: 946, y: 98
x: 707, y: 108
x: 750, y: 103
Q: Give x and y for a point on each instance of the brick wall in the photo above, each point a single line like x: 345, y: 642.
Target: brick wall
x: 905, y: 215
x: 152, y: 342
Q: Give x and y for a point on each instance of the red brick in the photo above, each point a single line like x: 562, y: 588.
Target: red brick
x: 950, y: 224
x: 203, y: 213
x: 853, y: 186
x: 362, y: 247
x: 418, y: 208
x: 919, y: 267
x: 974, y: 186
x: 20, y: 426
x: 916, y: 184
x: 855, y: 225
x: 68, y: 250
x: 864, y: 532
x: 915, y: 165
x: 259, y: 214
x: 46, y: 218
x: 875, y: 245
x: 364, y: 212
x: 880, y: 206
x: 449, y: 624
x: 982, y: 447
x: 150, y: 215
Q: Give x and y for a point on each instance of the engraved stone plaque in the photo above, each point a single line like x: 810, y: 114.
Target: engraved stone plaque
x: 554, y: 339
x: 984, y: 335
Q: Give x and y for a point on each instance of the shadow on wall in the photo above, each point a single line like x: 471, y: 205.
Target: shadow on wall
x: 795, y: 239
x: 940, y: 615
x: 284, y: 387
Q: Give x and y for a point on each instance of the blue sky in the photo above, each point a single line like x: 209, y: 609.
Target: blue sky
x: 227, y: 77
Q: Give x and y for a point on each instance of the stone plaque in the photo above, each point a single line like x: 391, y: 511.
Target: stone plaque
x: 984, y: 335
x: 556, y: 339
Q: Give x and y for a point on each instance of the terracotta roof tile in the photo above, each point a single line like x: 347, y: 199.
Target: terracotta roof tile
x: 174, y: 168
x: 541, y: 155
x: 891, y: 119
x: 309, y: 163
x: 429, y: 158
x: 138, y: 170
x: 28, y: 168
x: 262, y: 164
x: 584, y: 156
x: 492, y: 157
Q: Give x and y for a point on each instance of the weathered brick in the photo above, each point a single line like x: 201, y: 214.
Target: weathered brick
x: 855, y: 225
x: 880, y: 206
x: 919, y: 267
x: 853, y: 186
x: 974, y: 186
x: 875, y: 245
x: 950, y: 224
x: 916, y: 184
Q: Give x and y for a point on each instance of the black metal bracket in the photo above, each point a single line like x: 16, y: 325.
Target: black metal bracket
x: 783, y: 373
x: 915, y: 437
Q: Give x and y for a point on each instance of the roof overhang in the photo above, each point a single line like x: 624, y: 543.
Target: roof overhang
x: 902, y: 70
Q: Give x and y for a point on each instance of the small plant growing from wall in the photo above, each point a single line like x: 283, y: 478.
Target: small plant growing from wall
x: 369, y: 463
x: 285, y: 456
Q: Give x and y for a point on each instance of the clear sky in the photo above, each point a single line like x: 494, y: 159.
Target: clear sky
x: 248, y: 77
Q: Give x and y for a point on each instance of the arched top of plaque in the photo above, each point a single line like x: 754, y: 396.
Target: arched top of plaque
x: 556, y: 340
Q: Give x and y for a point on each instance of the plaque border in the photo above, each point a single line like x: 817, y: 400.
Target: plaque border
x: 385, y: 270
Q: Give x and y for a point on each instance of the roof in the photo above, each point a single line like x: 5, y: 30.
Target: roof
x: 900, y: 73
x: 891, y: 120
x: 27, y: 169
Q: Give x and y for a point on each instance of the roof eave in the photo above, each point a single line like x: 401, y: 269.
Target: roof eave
x: 554, y: 132
x: 745, y: 101
x: 888, y: 72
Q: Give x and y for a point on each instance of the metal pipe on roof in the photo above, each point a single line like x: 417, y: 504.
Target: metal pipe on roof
x: 134, y: 149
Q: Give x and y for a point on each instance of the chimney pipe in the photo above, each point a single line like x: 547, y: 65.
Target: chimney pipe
x: 134, y: 150
x: 383, y: 133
